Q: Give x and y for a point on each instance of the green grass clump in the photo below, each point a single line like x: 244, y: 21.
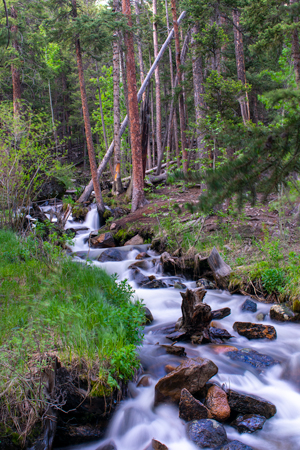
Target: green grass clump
x: 52, y: 308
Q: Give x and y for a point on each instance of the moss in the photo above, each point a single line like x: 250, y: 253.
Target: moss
x: 107, y: 214
x: 79, y: 212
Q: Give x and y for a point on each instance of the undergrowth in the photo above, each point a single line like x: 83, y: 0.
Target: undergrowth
x: 55, y: 309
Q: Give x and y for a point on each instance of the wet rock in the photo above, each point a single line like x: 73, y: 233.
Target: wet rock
x: 217, y: 403
x: 179, y: 285
x: 220, y: 349
x: 260, y: 317
x: 255, y: 330
x: 154, y: 284
x: 252, y: 357
x: 249, y: 306
x: 174, y: 350
x: 219, y: 314
x: 235, y: 445
x: 206, y: 433
x: 192, y: 374
x: 108, y: 446
x: 249, y: 423
x: 145, y: 381
x: 250, y: 404
x: 142, y: 255
x: 218, y: 335
x: 140, y: 264
x: 104, y: 240
x: 190, y: 408
x: 169, y: 368
x: 206, y: 284
x: 148, y: 315
x: 111, y: 255
x: 156, y: 445
x: 136, y: 240
x: 281, y: 313
x: 138, y: 277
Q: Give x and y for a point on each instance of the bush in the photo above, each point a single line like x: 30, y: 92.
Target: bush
x: 273, y: 280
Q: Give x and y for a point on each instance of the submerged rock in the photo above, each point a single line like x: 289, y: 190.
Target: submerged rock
x: 250, y: 404
x: 235, y: 445
x: 206, y: 433
x: 281, y: 313
x: 136, y: 240
x: 112, y: 255
x: 217, y: 403
x: 249, y: 423
x: 190, y: 408
x: 249, y: 306
x: 252, y: 357
x: 192, y: 374
x: 255, y: 330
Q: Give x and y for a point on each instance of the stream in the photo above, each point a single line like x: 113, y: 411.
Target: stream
x: 136, y: 421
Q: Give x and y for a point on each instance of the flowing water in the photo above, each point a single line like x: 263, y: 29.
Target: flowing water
x: 136, y: 421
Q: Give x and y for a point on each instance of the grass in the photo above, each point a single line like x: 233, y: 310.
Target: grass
x: 55, y: 309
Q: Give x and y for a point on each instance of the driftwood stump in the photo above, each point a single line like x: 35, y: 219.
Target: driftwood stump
x: 196, y: 315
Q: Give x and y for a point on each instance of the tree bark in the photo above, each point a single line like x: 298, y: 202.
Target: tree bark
x: 87, y: 123
x: 240, y: 64
x: 295, y: 48
x: 198, y: 81
x: 181, y: 101
x: 157, y: 85
x: 88, y: 189
x: 138, y: 196
x: 16, y: 80
x: 139, y: 43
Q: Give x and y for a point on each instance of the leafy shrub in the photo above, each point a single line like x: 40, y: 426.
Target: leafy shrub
x: 273, y: 279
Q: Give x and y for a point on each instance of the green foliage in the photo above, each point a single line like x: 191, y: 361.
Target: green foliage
x: 273, y: 280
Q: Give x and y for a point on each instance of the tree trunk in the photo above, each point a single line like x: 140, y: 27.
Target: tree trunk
x: 138, y: 196
x: 117, y: 183
x: 181, y: 102
x: 87, y: 123
x: 157, y: 86
x: 88, y: 189
x: 240, y: 64
x: 139, y: 43
x: 295, y: 48
x: 198, y: 81
x: 16, y: 81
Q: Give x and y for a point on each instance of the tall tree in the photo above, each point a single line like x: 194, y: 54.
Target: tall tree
x: 157, y: 85
x: 16, y: 80
x: 240, y: 64
x: 295, y: 45
x: 181, y: 101
x: 138, y: 196
x: 87, y: 122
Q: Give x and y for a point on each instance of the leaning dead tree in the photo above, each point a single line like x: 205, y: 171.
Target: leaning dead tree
x: 88, y: 189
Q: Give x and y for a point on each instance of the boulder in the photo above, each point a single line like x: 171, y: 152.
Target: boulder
x: 190, y: 408
x: 255, y: 330
x: 206, y: 433
x: 250, y: 404
x: 249, y: 306
x: 281, y: 313
x: 142, y: 255
x: 206, y: 284
x: 156, y: 445
x: 235, y: 445
x: 111, y: 255
x: 174, y: 350
x: 249, y: 423
x: 104, y: 240
x: 217, y: 403
x: 192, y: 374
x: 154, y: 284
x: 169, y: 368
x: 148, y: 316
x: 136, y: 240
x: 252, y: 357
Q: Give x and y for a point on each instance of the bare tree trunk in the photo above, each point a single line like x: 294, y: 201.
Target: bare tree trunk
x: 240, y: 64
x: 152, y: 126
x: 181, y: 102
x: 157, y: 86
x: 139, y: 43
x: 16, y: 81
x: 198, y: 81
x: 87, y: 123
x: 88, y: 189
x: 117, y: 183
x: 295, y: 48
x: 138, y: 196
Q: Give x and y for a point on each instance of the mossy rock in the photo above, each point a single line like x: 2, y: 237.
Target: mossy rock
x: 125, y: 234
x: 79, y: 212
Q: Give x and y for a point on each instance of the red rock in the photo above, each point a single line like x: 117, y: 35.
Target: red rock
x: 217, y: 403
